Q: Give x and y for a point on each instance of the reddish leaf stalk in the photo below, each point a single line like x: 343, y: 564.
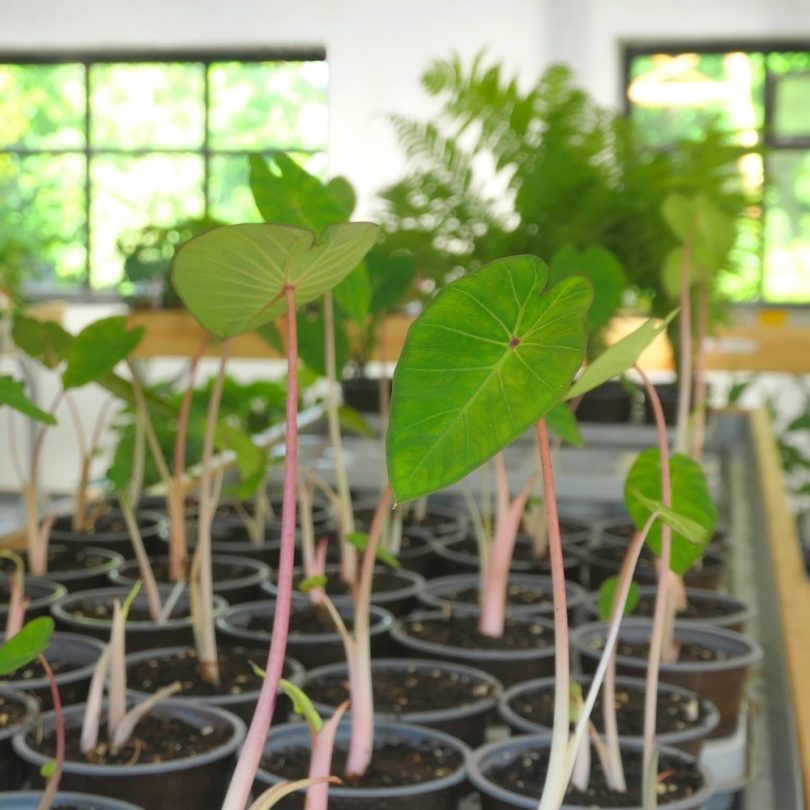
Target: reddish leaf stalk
x: 320, y: 762
x: 242, y: 780
x: 700, y: 366
x: 662, y: 596
x: 59, y: 729
x: 554, y: 788
x: 685, y: 370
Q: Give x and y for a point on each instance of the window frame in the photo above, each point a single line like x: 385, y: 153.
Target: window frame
x: 83, y: 292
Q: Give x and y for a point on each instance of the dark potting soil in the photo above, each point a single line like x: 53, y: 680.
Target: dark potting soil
x: 221, y: 572
x: 675, y: 712
x: 412, y: 690
x: 308, y: 621
x: 94, y: 609
x: 526, y: 775
x: 11, y: 711
x: 59, y: 665
x: 65, y: 559
x: 704, y: 609
x: 687, y: 653
x: 517, y: 595
x: 523, y: 551
x: 393, y: 763
x: 235, y: 672
x: 382, y: 582
x: 462, y: 631
x: 108, y: 522
x: 157, y: 738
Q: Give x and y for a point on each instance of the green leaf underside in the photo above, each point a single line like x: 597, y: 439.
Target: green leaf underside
x: 98, y: 349
x: 12, y: 393
x: 233, y: 278
x: 23, y: 648
x: 352, y: 421
x: 690, y: 500
x: 45, y: 341
x: 692, y: 531
x: 619, y: 357
x: 562, y: 423
x: 489, y: 357
x: 607, y: 593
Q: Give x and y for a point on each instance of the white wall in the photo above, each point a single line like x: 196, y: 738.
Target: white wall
x: 376, y: 50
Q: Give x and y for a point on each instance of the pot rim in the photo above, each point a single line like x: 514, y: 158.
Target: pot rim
x: 398, y: 634
x: 512, y: 718
x: 29, y: 800
x: 421, y: 717
x: 53, y: 592
x: 159, y: 526
x: 457, y: 777
x: 31, y: 710
x: 114, y: 560
x: 238, y: 728
x: 476, y: 760
x: 750, y: 650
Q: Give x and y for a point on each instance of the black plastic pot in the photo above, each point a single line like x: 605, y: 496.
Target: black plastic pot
x: 610, y: 402
x: 73, y: 657
x: 236, y: 579
x: 242, y: 703
x: 398, y: 600
x: 441, y: 593
x: 29, y: 800
x: 467, y: 721
x: 688, y: 739
x: 363, y: 393
x: 440, y: 520
x: 483, y: 760
x: 734, y: 616
x: 13, y: 772
x: 438, y: 794
x: 311, y: 649
x: 111, y: 532
x: 509, y: 666
x: 80, y: 577
x: 142, y: 633
x: 720, y: 681
x: 41, y: 592
x: 198, y: 781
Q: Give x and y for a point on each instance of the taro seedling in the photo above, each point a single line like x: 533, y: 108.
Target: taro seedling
x: 236, y: 279
x: 489, y: 358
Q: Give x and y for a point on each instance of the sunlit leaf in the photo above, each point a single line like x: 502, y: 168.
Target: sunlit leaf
x: 26, y: 645
x: 98, y: 349
x: 489, y: 357
x: 233, y: 278
x: 607, y: 593
x: 12, y: 393
x: 690, y: 500
x: 619, y: 357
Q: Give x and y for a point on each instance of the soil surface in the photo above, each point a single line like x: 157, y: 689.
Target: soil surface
x: 383, y: 581
x: 12, y: 712
x: 103, y: 611
x: 221, y: 572
x: 675, y: 712
x: 523, y: 552
x: 687, y: 653
x: 393, y: 763
x: 704, y: 609
x: 64, y: 559
x: 235, y: 672
x: 411, y: 690
x: 517, y: 595
x: 526, y: 775
x: 108, y: 522
x: 307, y: 621
x: 462, y: 631
x: 156, y: 738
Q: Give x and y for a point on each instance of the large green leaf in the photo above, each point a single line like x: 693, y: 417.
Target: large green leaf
x: 98, y: 349
x: 690, y: 499
x: 602, y: 269
x: 26, y: 645
x: 233, y: 278
x: 12, y: 393
x: 490, y: 356
x: 353, y: 294
x: 45, y: 341
x: 619, y: 357
x: 285, y: 193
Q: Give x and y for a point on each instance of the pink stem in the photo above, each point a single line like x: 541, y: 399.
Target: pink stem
x: 659, y: 617
x: 362, y: 737
x: 59, y: 728
x: 685, y: 371
x: 320, y: 762
x: 553, y: 790
x: 700, y: 367
x: 246, y: 766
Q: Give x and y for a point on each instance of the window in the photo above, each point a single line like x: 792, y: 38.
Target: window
x: 762, y: 94
x: 94, y: 149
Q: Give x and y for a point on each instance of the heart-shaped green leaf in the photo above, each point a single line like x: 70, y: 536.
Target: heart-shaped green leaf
x: 602, y: 269
x: 46, y: 341
x: 490, y: 356
x: 12, y: 393
x: 689, y: 529
x: 607, y: 593
x: 690, y: 499
x: 98, y: 349
x: 619, y: 357
x: 24, y: 647
x: 233, y: 278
